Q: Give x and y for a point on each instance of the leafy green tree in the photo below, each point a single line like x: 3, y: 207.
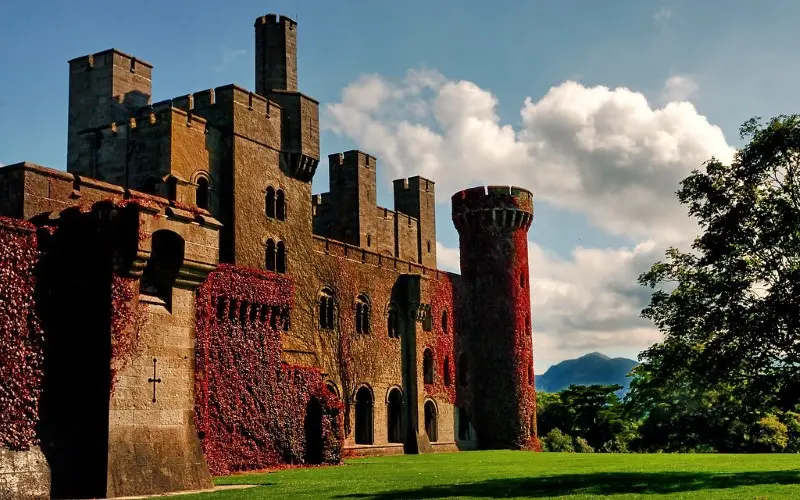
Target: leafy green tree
x: 728, y: 309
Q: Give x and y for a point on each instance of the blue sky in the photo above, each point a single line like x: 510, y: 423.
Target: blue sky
x: 732, y: 60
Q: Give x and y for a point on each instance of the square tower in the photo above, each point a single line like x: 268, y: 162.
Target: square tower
x: 104, y: 88
x: 416, y: 197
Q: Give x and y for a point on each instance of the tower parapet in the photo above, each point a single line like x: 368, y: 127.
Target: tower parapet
x: 507, y: 207
x: 493, y: 224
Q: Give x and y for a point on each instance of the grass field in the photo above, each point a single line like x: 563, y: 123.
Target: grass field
x: 509, y: 474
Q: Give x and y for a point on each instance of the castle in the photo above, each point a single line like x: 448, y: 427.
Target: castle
x: 177, y: 298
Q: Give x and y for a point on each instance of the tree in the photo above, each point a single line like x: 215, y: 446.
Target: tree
x: 731, y: 315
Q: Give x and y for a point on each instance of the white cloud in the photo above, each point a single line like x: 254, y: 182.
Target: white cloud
x: 662, y: 15
x: 228, y: 58
x: 679, y: 88
x: 601, y: 152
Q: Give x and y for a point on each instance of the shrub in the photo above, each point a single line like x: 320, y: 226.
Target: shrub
x: 557, y: 441
x: 770, y: 434
x: 582, y: 446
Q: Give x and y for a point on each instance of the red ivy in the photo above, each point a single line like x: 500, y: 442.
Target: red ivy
x: 250, y: 408
x: 21, y: 336
x: 126, y: 319
x: 445, y: 331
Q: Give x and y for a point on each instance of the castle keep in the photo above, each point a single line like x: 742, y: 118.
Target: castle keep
x: 177, y: 303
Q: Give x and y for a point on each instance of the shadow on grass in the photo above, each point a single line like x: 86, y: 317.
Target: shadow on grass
x: 601, y: 483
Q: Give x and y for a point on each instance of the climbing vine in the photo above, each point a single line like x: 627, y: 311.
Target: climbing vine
x: 21, y: 336
x: 127, y: 316
x: 445, y: 332
x: 252, y: 410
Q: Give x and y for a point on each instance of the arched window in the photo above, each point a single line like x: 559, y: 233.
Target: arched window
x: 270, y: 255
x: 447, y: 380
x: 326, y: 309
x: 202, y: 198
x: 392, y: 322
x: 364, y: 416
x: 522, y: 280
x: 429, y: 246
x: 362, y: 314
x: 444, y: 321
x: 280, y: 257
x: 395, y: 414
x: 270, y: 202
x: 427, y: 366
x: 369, y: 240
x: 280, y: 205
x: 462, y: 367
x: 430, y: 422
x: 332, y: 388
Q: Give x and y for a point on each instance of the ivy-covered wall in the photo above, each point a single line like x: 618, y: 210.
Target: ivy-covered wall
x: 253, y: 411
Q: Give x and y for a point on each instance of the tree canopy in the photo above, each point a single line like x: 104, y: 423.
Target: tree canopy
x: 729, y: 308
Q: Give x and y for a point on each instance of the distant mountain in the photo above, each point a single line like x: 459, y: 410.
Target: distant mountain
x: 593, y: 368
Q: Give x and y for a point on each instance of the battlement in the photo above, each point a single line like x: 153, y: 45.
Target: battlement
x: 508, y: 207
x: 275, y: 19
x: 224, y: 94
x: 108, y: 58
x: 353, y: 157
x: 415, y: 183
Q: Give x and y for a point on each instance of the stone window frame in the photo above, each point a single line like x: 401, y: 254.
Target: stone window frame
x: 362, y: 308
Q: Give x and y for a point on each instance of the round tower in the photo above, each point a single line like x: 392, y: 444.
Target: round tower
x: 493, y: 224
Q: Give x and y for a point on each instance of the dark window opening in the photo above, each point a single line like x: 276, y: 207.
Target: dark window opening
x: 166, y: 258
x: 429, y: 246
x: 447, y: 380
x: 270, y: 202
x: 395, y: 414
x: 332, y: 388
x: 280, y: 264
x: 362, y: 315
x: 364, y: 416
x: 427, y: 366
x: 522, y: 280
x: 430, y: 422
x: 270, y: 255
x: 326, y: 310
x: 280, y: 205
x: 369, y: 240
x: 202, y: 193
x: 172, y: 189
x: 444, y: 321
x: 220, y: 309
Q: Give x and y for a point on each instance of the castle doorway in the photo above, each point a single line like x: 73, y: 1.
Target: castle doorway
x: 313, y: 432
x: 395, y: 413
x: 364, y: 416
x: 430, y: 422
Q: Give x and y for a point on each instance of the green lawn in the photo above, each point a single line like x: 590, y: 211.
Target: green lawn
x: 510, y: 474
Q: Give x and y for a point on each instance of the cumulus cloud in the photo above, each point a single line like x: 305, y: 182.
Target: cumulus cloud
x: 606, y: 153
x: 599, y: 151
x: 679, y: 88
